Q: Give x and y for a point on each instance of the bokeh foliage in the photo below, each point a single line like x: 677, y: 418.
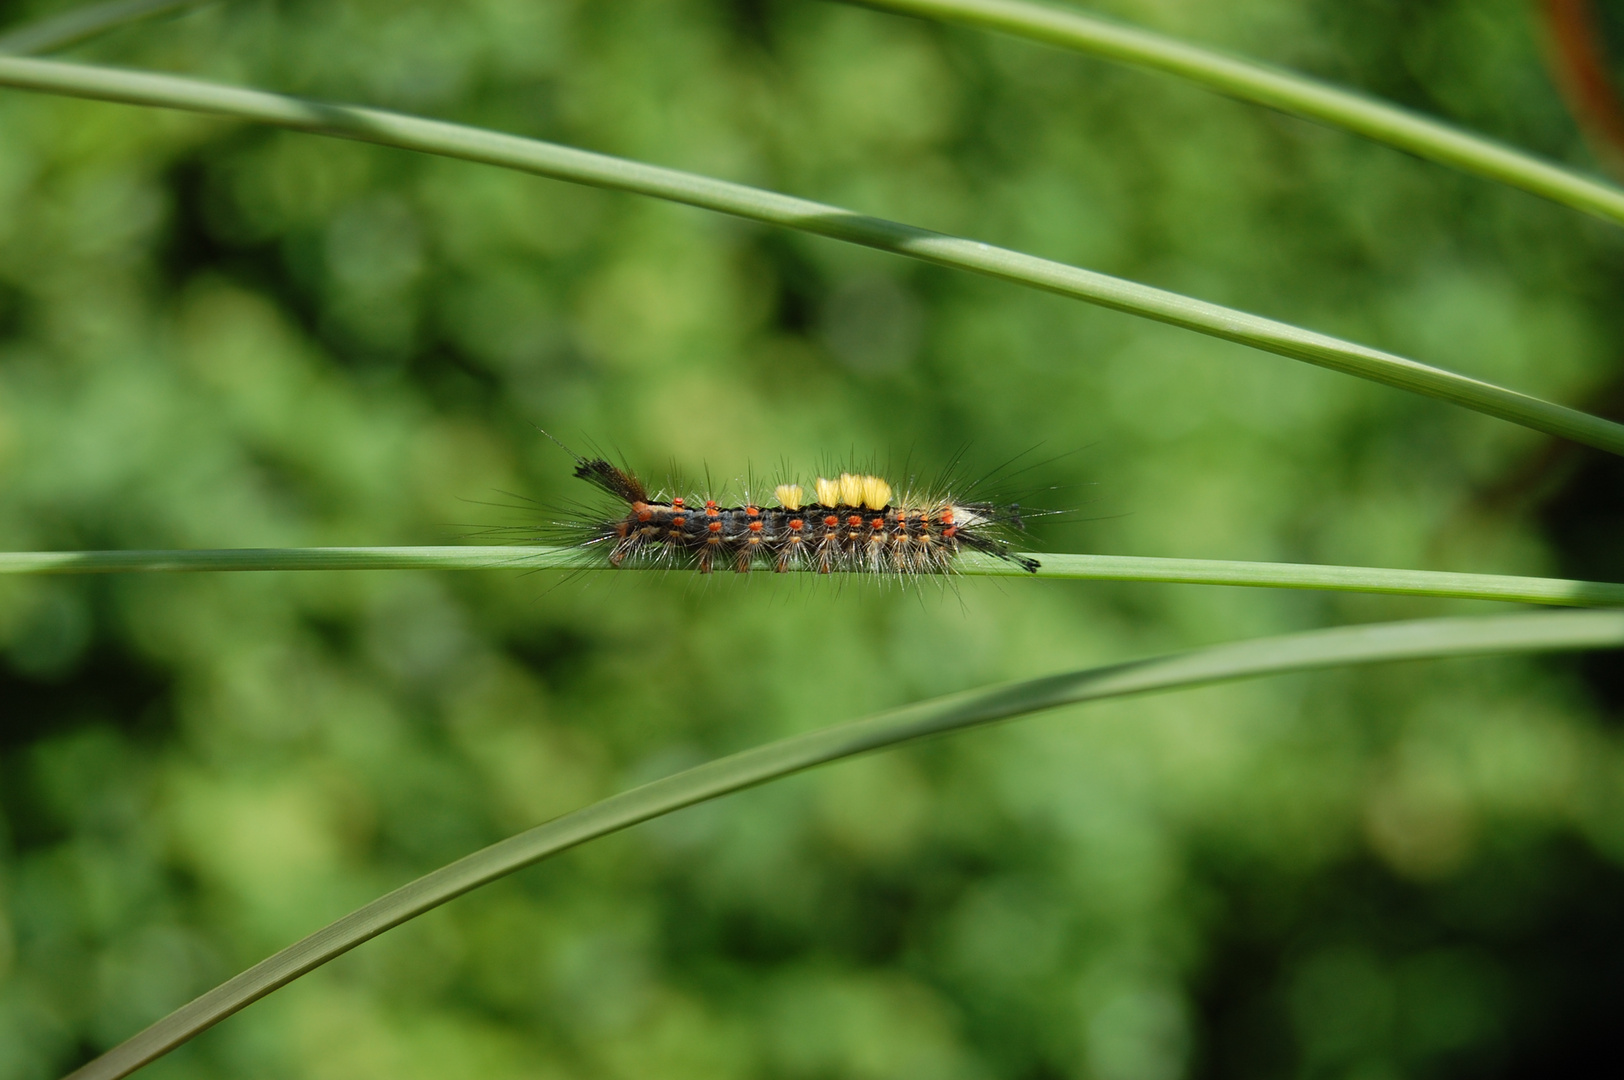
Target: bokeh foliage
x: 216, y: 335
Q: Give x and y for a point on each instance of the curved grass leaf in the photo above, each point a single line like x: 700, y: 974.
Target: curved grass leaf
x: 1428, y: 638
x: 1283, y: 90
x: 83, y: 23
x: 601, y: 170
x: 1528, y: 590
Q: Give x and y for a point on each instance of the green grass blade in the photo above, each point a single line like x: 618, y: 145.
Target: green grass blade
x: 462, y: 557
x: 1560, y: 592
x: 1421, y: 639
x: 1283, y: 90
x: 600, y: 170
x: 83, y: 23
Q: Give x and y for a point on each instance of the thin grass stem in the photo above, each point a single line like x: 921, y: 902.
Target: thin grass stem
x: 600, y: 170
x: 1278, y: 89
x: 83, y: 23
x: 1419, y: 639
x: 1559, y: 592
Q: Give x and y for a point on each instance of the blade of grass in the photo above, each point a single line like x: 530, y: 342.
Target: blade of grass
x: 1559, y: 592
x: 1277, y: 89
x: 600, y: 170
x: 83, y: 23
x: 1420, y: 639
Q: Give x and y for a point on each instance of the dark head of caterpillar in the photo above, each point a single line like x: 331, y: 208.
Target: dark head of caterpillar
x: 852, y: 524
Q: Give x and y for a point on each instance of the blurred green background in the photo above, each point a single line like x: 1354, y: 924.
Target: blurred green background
x: 216, y: 335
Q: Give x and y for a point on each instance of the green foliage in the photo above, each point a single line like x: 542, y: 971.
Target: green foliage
x: 1279, y: 89
x: 84, y: 22
x: 754, y: 204
x: 1412, y: 639
x: 225, y: 336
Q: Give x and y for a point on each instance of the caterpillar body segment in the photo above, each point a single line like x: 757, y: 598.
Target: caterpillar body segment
x: 852, y: 525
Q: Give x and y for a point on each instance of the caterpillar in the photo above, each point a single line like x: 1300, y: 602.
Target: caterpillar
x: 853, y: 524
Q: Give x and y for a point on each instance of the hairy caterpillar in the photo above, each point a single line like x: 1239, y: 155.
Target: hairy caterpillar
x: 854, y: 524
